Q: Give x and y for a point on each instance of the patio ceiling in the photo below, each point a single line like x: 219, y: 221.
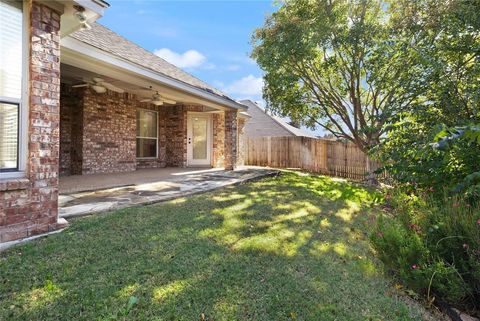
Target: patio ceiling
x: 95, y: 62
x: 139, y: 87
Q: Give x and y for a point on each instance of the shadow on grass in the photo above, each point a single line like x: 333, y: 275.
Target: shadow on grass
x: 286, y: 248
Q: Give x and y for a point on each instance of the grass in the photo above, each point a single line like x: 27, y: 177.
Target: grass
x: 294, y: 247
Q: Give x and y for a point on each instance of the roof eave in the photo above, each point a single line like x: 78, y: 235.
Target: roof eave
x: 97, y: 6
x: 244, y: 114
x: 88, y: 50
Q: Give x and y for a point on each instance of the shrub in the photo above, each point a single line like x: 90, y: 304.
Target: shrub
x: 433, y: 246
x: 435, y: 158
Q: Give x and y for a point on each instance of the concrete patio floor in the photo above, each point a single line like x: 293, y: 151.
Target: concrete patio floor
x: 89, y: 194
x: 82, y: 183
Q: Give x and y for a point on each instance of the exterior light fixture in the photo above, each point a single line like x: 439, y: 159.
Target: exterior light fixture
x: 81, y: 17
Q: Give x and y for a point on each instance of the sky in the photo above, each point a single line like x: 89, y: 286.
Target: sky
x: 209, y: 39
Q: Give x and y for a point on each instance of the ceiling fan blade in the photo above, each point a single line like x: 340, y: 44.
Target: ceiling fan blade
x: 80, y: 85
x: 145, y: 100
x: 111, y: 87
x: 98, y: 80
x: 169, y: 101
x: 157, y: 102
x: 99, y: 89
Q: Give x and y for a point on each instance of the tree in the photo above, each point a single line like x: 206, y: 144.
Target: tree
x: 445, y: 41
x: 335, y: 64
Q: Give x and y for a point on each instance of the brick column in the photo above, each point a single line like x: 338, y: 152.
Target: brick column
x: 241, y: 142
x: 230, y: 140
x: 44, y: 118
x: 218, y: 140
x: 29, y: 205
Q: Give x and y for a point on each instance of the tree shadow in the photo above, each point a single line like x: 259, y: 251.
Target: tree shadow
x: 287, y: 248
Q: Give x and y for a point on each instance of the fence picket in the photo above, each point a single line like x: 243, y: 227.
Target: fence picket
x: 316, y: 155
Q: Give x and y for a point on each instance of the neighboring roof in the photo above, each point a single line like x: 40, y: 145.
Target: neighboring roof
x: 106, y: 40
x: 244, y: 114
x: 263, y: 124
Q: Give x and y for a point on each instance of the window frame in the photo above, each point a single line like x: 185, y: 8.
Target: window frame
x: 13, y: 102
x: 142, y: 137
x: 23, y: 102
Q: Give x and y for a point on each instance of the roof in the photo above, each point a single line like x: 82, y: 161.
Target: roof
x: 106, y: 40
x: 264, y: 124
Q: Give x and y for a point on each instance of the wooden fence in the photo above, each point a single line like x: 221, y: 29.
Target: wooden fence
x: 322, y: 156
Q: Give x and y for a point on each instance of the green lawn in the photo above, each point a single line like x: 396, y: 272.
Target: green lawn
x: 294, y: 247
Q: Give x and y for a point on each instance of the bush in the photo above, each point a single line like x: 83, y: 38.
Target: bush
x: 433, y: 246
x: 433, y: 158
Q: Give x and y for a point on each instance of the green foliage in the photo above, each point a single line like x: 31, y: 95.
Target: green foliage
x: 407, y: 246
x: 439, y: 159
x: 334, y: 64
x: 445, y: 46
x: 467, y: 137
x: 444, y: 43
x: 447, y: 136
x: 433, y: 246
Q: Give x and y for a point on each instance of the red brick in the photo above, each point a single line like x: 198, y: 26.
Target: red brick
x: 28, y: 210
x: 7, y: 235
x: 230, y: 140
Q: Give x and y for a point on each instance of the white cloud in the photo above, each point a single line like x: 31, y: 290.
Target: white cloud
x: 188, y: 59
x: 247, y: 86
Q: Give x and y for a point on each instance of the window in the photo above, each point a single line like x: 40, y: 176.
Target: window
x: 146, y: 134
x: 11, y: 71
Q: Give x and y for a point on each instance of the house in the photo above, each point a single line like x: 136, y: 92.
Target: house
x: 263, y: 124
x: 78, y: 99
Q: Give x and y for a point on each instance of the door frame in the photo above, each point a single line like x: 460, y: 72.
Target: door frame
x: 208, y: 161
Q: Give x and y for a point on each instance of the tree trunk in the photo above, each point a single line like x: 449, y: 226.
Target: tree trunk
x: 371, y: 178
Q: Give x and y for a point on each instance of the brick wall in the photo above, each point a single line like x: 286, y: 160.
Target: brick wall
x: 176, y: 136
x: 241, y: 141
x: 109, y: 131
x: 102, y: 139
x: 218, y: 140
x: 29, y: 206
x: 230, y: 139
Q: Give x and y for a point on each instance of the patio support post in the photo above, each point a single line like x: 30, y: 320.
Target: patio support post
x: 230, y: 140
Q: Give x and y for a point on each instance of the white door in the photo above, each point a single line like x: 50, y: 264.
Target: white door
x: 199, y: 139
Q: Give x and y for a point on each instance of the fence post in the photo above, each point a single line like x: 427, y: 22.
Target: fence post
x: 269, y: 151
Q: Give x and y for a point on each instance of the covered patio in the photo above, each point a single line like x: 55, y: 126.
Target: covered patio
x: 123, y: 109
x: 87, y: 102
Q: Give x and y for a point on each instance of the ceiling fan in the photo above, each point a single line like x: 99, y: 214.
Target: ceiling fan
x: 99, y: 85
x: 158, y: 100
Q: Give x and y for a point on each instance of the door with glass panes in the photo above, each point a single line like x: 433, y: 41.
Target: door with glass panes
x: 199, y: 139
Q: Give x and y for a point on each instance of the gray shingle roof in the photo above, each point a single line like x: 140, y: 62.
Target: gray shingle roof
x: 265, y: 124
x: 105, y: 39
